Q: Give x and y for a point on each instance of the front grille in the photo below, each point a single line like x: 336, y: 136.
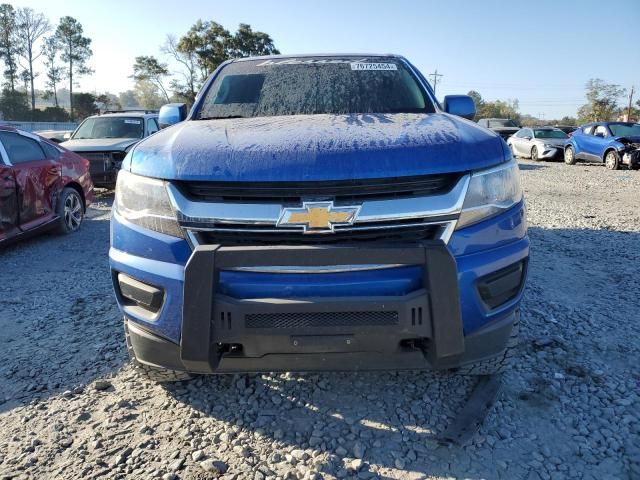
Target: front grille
x: 321, y: 319
x: 338, y: 191
x: 103, y: 156
x: 388, y: 232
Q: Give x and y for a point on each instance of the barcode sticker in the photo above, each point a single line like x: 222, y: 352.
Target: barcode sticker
x: 373, y: 66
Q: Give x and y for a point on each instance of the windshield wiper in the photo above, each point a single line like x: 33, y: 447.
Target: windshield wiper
x: 222, y: 117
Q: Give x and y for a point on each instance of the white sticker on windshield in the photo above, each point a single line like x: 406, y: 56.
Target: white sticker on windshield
x: 135, y: 122
x: 373, y: 66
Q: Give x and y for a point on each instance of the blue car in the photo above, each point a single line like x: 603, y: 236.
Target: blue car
x: 614, y: 143
x: 319, y: 212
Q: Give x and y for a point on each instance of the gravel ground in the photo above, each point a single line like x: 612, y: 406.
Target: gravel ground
x: 72, y: 407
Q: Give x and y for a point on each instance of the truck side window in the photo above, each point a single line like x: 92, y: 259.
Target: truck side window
x: 21, y: 149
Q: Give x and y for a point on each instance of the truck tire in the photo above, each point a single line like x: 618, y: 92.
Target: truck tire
x: 499, y: 363
x: 70, y: 211
x: 156, y: 374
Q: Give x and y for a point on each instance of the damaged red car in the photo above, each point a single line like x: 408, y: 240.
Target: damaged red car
x: 42, y: 186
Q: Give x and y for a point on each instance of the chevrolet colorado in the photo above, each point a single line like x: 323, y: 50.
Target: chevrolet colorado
x: 319, y: 212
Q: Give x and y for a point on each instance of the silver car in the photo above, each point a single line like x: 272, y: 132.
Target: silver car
x: 538, y: 143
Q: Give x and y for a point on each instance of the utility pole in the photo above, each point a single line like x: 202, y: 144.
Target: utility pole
x: 434, y: 79
x: 629, y: 107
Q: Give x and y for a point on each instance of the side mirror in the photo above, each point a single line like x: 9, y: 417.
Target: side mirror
x: 67, y: 136
x: 460, y: 105
x: 172, y: 113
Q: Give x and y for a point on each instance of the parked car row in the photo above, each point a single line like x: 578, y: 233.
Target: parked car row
x: 47, y: 180
x: 615, y: 144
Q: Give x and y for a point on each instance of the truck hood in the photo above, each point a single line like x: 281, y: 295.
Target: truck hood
x: 99, y: 144
x: 316, y: 147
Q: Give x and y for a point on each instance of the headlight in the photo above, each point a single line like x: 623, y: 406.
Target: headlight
x: 549, y: 145
x: 144, y: 201
x: 491, y: 192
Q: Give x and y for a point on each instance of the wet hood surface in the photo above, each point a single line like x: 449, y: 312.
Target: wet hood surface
x: 98, y: 144
x: 316, y: 147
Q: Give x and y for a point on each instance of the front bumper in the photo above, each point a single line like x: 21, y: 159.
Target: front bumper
x: 555, y: 153
x: 483, y: 344
x: 420, y: 329
x: 631, y: 158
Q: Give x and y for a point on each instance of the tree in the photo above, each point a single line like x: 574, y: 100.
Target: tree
x: 187, y: 89
x: 76, y: 51
x: 495, y: 109
x: 9, y: 44
x: 205, y: 46
x: 53, y: 72
x: 209, y: 42
x: 14, y: 105
x: 127, y: 99
x: 246, y: 43
x: 85, y: 104
x: 566, y: 120
x: 602, y: 101
x: 147, y: 95
x: 150, y: 69
x: 31, y: 27
x: 108, y: 101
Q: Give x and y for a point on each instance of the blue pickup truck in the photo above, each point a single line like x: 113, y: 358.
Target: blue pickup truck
x: 319, y: 212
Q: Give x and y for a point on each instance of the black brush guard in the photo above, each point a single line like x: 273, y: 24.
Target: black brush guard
x: 217, y: 327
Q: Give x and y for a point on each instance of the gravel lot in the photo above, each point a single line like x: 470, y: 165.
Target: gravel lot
x: 72, y: 407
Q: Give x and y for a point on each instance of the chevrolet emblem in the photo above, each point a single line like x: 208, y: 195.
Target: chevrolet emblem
x: 318, y: 217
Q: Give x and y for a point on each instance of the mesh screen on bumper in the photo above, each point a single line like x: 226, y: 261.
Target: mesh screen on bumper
x: 321, y: 319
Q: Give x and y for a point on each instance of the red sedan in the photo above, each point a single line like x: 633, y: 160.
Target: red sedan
x: 42, y: 186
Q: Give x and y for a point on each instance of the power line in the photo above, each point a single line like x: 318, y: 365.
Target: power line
x: 434, y: 76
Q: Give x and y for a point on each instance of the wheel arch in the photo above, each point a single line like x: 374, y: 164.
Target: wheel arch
x: 76, y: 186
x: 607, y: 150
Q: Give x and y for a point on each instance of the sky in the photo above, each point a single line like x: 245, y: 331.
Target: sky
x: 541, y: 53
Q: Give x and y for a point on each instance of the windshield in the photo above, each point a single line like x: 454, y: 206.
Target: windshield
x: 546, y: 133
x: 625, y: 129
x: 110, y: 127
x: 498, y: 123
x: 313, y: 85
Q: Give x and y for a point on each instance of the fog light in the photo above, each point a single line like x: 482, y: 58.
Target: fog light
x: 140, y: 294
x: 499, y: 287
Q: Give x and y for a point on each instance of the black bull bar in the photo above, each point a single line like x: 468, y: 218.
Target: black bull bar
x: 211, y: 321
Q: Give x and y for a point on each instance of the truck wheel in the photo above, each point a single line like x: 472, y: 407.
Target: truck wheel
x: 612, y: 160
x: 569, y: 156
x: 156, y: 374
x: 534, y: 154
x: 70, y: 211
x: 499, y: 363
